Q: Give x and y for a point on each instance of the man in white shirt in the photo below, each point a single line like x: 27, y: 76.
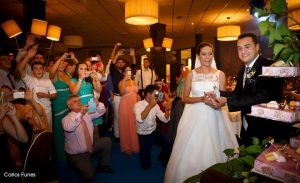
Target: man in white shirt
x: 145, y: 112
x: 79, y: 142
x: 146, y: 76
x: 43, y: 88
x: 5, y: 66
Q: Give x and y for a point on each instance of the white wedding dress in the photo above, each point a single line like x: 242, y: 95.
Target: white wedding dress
x: 202, y: 134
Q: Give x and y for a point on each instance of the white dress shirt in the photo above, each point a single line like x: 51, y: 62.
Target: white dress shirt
x: 148, y: 125
x: 146, y: 78
x: 101, y: 79
x: 74, y: 135
x: 245, y: 124
x: 42, y: 85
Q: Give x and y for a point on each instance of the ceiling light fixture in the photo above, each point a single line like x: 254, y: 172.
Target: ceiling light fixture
x: 11, y: 29
x: 228, y: 32
x: 73, y: 41
x: 148, y: 44
x: 141, y: 12
x: 167, y: 43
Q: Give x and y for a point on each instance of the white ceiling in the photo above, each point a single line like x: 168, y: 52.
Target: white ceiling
x: 102, y: 22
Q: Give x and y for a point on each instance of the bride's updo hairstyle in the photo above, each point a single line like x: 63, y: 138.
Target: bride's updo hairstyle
x: 203, y: 44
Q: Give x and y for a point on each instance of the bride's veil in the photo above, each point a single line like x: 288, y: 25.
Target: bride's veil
x: 198, y: 63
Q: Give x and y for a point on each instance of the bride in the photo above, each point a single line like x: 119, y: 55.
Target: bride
x: 203, y: 132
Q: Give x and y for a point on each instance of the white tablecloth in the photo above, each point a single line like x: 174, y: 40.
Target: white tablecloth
x: 236, y: 120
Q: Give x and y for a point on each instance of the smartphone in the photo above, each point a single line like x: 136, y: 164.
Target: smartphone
x: 88, y: 73
x: 129, y: 74
x: 156, y: 94
x: 18, y: 95
x: 160, y: 97
x: 126, y: 52
x: 184, y: 69
x: 3, y: 98
x: 92, y: 106
x: 94, y: 58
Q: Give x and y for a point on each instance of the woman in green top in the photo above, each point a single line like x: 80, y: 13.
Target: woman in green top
x: 61, y: 79
x: 82, y: 84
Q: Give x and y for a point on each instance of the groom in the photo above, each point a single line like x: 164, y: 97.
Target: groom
x: 251, y: 90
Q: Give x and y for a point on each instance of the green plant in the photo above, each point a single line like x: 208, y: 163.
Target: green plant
x: 238, y: 168
x: 286, y: 44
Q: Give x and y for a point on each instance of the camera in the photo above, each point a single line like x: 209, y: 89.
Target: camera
x: 88, y: 73
x: 94, y: 58
x: 18, y: 95
x: 159, y: 96
x: 129, y: 74
x: 126, y: 52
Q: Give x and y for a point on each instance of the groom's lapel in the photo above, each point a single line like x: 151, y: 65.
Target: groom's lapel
x: 258, y: 68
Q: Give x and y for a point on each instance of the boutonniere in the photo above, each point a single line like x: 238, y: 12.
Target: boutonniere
x: 250, y: 74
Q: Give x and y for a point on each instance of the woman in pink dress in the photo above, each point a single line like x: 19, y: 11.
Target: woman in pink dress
x: 128, y: 135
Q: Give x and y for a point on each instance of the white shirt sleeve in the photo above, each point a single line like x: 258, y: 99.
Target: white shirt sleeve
x: 137, y: 110
x: 161, y: 115
x: 51, y: 88
x: 107, y: 67
x: 137, y: 79
x: 20, y: 55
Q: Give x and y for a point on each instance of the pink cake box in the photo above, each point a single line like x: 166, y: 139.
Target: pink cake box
x: 289, y: 116
x: 281, y: 71
x: 295, y: 142
x: 285, y: 171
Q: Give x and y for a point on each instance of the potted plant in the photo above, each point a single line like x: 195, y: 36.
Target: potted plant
x: 286, y: 44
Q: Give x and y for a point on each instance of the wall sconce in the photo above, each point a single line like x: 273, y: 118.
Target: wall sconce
x: 53, y: 34
x: 11, y: 29
x: 167, y: 43
x: 148, y: 44
x: 141, y: 12
x: 168, y: 73
x: 39, y: 27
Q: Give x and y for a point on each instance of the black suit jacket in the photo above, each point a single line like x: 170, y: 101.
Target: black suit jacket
x: 257, y: 90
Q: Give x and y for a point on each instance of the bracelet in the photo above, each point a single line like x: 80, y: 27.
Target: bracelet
x: 79, y: 79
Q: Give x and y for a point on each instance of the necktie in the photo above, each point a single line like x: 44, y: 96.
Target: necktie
x: 247, y: 69
x: 87, y: 136
x: 12, y: 84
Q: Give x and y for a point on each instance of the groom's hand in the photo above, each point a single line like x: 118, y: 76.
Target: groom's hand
x: 220, y: 102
